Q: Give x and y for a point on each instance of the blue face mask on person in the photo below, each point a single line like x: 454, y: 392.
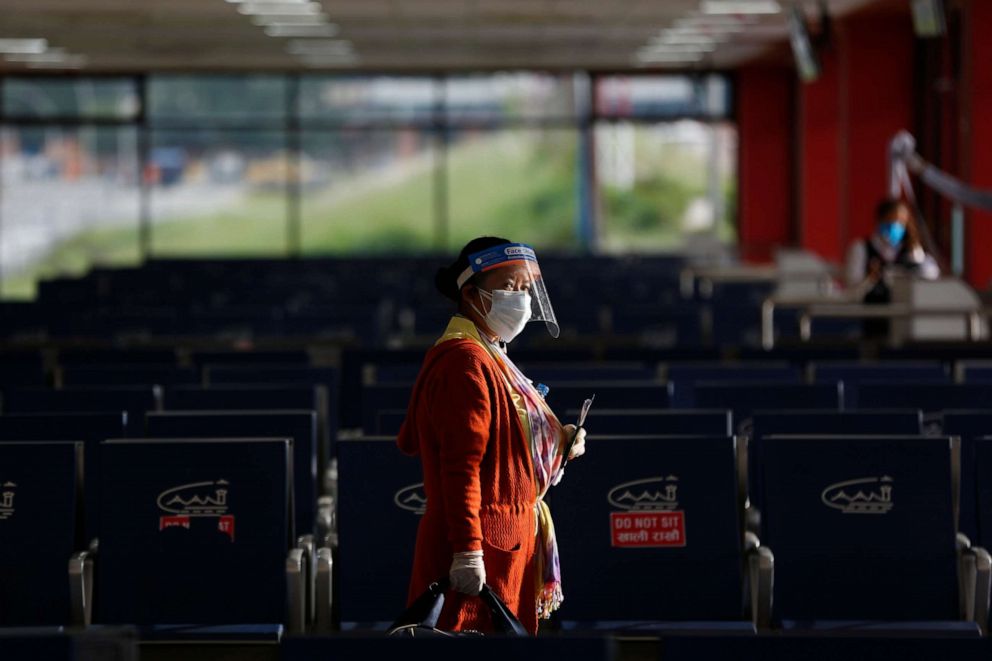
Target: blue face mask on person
x: 892, y: 231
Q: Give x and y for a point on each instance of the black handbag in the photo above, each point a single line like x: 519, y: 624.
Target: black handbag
x: 420, y: 619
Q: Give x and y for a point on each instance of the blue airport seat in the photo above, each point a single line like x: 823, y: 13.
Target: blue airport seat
x: 137, y: 401
x: 895, y: 421
x: 60, y: 644
x: 655, y: 355
x: 766, y: 423
x: 855, y: 374
x: 298, y: 357
x: 394, y: 367
x: 850, y: 519
x: 609, y: 395
x: 195, y: 532
x: 271, y: 374
x: 551, y: 373
x: 802, y: 352
x: 660, y: 324
x: 96, y: 357
x: 246, y: 397
x: 983, y: 489
x: 241, y: 397
x: 735, y: 323
x: 745, y: 398
x: 22, y: 317
x: 298, y: 425
x: 24, y: 369
x: 664, y: 422
x: 685, y: 376
x: 354, y: 364
x: 649, y: 532
x: 129, y: 375
x: 975, y: 371
x: 41, y: 527
x: 388, y: 422
x: 90, y: 428
x: 969, y: 426
x: 327, y: 379
x: 391, y: 373
x: 928, y: 397
x: 381, y: 500
x: 391, y: 397
x: 859, y: 645
x: 937, y: 350
x: 477, y: 648
x: 678, y: 422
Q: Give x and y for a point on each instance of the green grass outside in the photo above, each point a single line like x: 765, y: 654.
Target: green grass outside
x: 520, y: 184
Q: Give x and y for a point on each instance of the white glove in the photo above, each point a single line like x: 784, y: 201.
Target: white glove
x: 579, y: 447
x: 467, y: 573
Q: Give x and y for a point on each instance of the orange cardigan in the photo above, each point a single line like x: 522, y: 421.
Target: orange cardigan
x: 478, y: 479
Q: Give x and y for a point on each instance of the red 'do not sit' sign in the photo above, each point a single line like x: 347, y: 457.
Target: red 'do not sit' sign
x: 647, y: 529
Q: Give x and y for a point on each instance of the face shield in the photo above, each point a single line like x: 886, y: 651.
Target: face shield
x: 518, y: 255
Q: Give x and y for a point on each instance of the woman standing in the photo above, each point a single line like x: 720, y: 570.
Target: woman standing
x: 489, y: 445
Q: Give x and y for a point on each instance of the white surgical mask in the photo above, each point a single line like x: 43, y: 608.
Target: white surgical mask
x: 509, y: 312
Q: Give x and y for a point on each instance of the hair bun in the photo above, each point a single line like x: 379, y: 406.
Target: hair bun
x: 446, y: 283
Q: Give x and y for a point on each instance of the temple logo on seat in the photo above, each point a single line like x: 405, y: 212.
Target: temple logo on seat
x: 7, y: 501
x: 867, y: 495
x: 653, y: 493
x: 198, y: 499
x: 411, y: 498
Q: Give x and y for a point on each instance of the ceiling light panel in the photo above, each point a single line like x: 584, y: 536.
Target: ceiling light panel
x: 278, y: 8
x: 23, y: 45
x: 301, y: 31
x: 718, y: 7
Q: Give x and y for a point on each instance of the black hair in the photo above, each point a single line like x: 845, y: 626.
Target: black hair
x: 886, y: 208
x: 446, y: 278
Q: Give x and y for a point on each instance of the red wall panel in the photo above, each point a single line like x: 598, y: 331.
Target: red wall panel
x: 878, y: 58
x: 820, y: 136
x: 977, y: 134
x: 764, y: 120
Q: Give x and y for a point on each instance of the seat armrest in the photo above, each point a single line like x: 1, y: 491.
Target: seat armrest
x: 751, y: 542
x: 761, y: 576
x: 81, y: 588
x: 323, y: 622
x: 975, y: 572
x: 308, y: 544
x: 295, y: 591
x: 326, y: 521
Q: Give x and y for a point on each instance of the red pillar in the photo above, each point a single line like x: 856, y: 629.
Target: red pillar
x: 764, y: 121
x: 976, y: 133
x: 878, y: 61
x: 863, y: 97
x: 820, y: 185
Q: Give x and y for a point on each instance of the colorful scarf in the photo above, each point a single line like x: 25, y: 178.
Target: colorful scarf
x: 545, y: 433
x: 545, y: 445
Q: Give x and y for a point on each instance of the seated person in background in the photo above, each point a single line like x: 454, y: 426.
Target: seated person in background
x: 895, y: 244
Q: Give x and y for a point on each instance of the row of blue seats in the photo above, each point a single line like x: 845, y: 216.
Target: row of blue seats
x: 120, y: 645
x: 390, y: 377
x: 364, y: 299
x: 357, y: 368
x: 652, y: 534
x: 191, y: 531
x: 859, y: 534
x: 298, y: 425
x: 383, y: 405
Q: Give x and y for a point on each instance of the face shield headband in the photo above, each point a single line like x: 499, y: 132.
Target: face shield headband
x: 516, y: 254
